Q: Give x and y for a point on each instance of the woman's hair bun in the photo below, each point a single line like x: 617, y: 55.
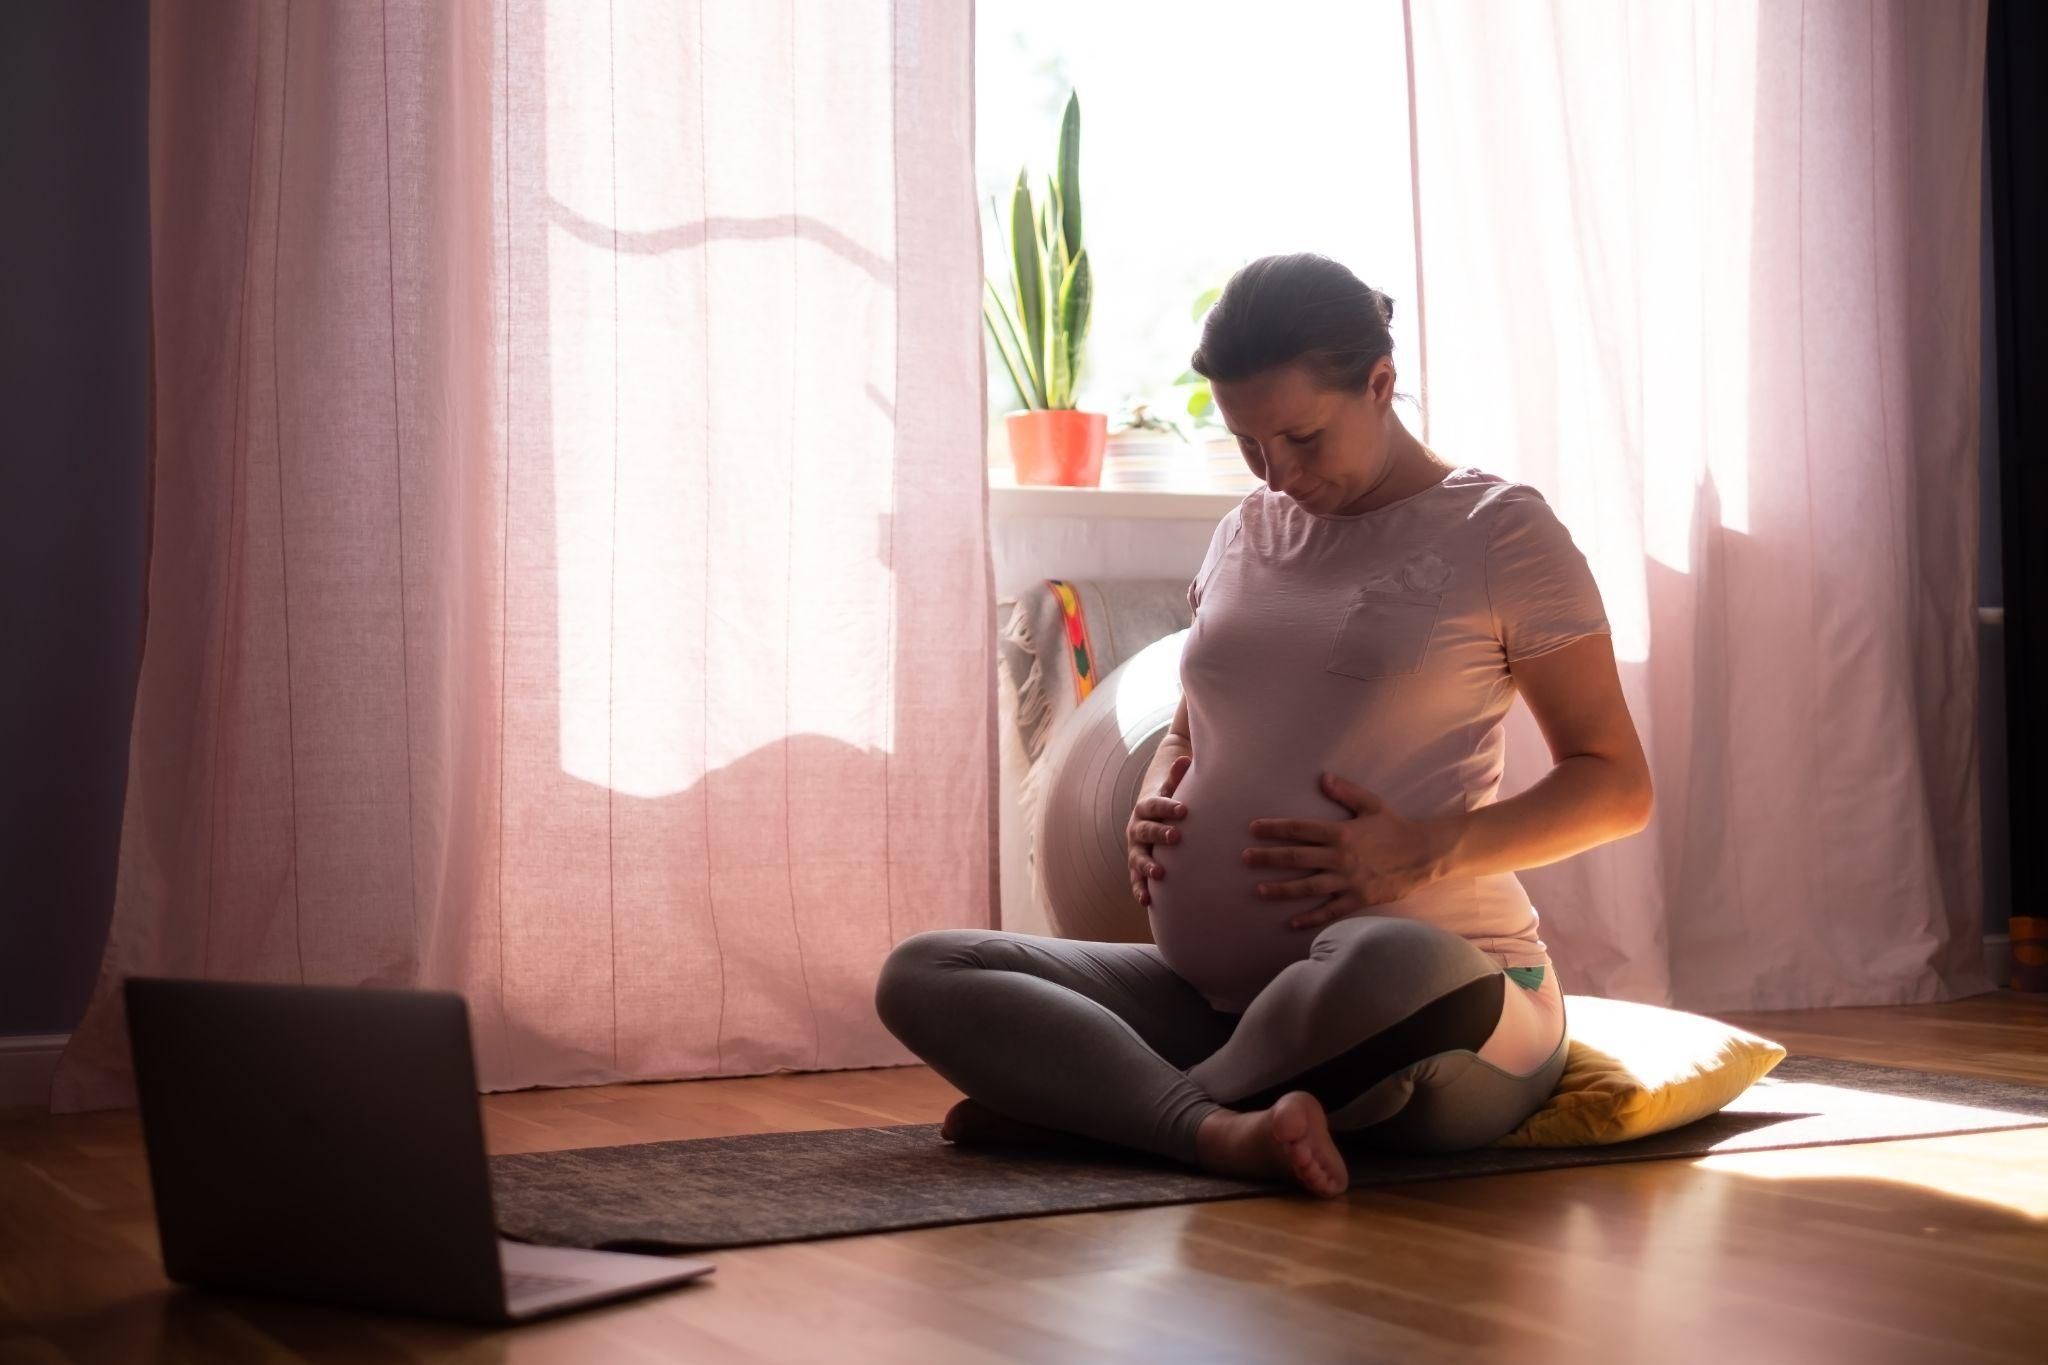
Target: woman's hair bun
x: 1305, y: 308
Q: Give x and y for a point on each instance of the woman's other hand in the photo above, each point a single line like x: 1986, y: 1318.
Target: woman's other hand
x: 1150, y: 824
x: 1374, y: 858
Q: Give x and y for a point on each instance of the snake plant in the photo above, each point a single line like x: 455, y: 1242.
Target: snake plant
x: 1041, y: 321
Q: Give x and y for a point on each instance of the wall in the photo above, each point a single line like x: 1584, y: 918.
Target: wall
x: 1991, y: 731
x: 74, y: 373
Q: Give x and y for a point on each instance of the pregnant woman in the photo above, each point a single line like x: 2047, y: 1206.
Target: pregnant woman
x: 1340, y: 941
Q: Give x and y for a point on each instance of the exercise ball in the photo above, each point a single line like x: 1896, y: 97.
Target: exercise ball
x: 1094, y: 766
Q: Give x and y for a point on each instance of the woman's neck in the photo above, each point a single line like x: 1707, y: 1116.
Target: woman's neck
x: 1411, y: 467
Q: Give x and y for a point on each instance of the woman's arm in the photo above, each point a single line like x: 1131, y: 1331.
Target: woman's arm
x: 1598, y: 790
x: 1173, y: 744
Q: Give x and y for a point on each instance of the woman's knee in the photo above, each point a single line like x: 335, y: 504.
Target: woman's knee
x: 1390, y: 943
x: 1381, y: 970
x: 907, y: 973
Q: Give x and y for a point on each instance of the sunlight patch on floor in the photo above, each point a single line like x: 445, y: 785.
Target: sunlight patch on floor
x: 2005, y: 1169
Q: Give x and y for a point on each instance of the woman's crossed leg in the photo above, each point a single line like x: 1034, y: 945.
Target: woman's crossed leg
x: 1104, y: 1041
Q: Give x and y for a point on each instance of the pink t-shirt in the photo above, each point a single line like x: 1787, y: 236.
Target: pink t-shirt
x: 1376, y: 646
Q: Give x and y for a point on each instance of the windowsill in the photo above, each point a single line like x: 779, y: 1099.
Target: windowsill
x: 1009, y: 499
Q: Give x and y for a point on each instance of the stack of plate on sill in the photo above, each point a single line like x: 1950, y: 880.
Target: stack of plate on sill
x: 1172, y: 464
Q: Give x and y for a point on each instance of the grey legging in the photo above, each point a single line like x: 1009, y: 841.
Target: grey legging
x: 1382, y: 1023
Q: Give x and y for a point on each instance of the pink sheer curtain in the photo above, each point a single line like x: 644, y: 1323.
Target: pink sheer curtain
x: 1707, y: 274
x: 569, y: 581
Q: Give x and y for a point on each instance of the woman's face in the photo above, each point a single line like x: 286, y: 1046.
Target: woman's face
x: 1322, y: 447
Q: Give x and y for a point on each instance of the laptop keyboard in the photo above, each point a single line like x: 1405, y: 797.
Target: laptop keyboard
x: 524, y: 1284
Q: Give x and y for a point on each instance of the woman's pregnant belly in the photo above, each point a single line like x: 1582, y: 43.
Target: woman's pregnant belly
x: 1211, y: 925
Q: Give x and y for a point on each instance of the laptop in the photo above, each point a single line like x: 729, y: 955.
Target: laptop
x: 326, y: 1143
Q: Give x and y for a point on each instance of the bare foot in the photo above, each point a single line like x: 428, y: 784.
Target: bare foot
x: 970, y: 1123
x: 1290, y: 1141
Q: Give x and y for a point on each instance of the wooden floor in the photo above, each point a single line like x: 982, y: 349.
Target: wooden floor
x: 1933, y: 1250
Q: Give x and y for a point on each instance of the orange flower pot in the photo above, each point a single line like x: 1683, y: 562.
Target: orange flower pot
x: 1058, y: 446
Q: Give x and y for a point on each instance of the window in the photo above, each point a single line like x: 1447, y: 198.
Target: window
x: 1212, y: 132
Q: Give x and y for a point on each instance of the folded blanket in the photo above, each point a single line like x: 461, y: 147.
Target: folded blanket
x: 1064, y: 636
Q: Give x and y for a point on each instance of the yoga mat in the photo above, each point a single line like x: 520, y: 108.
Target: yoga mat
x: 705, y: 1193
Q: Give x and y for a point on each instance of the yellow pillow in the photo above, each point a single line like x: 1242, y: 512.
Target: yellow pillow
x: 1632, y: 1070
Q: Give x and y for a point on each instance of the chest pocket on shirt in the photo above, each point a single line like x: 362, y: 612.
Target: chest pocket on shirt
x: 1385, y: 634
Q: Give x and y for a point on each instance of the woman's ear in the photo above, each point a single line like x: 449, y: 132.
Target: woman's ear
x: 1381, y: 382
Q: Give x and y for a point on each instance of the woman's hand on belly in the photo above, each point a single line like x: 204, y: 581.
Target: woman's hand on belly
x: 1149, y: 825
x: 1373, y: 858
